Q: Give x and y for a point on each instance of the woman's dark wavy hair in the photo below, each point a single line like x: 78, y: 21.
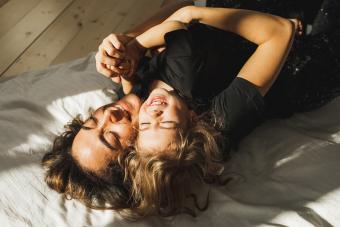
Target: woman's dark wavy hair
x: 108, y: 190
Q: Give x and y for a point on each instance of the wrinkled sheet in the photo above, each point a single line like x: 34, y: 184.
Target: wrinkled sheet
x: 286, y: 173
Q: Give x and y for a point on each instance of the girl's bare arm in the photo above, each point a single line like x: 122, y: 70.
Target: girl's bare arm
x: 272, y: 34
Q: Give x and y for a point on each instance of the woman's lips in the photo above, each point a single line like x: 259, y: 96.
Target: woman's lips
x: 124, y: 109
x: 124, y: 106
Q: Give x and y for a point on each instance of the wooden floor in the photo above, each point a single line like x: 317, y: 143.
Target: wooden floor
x: 37, y: 33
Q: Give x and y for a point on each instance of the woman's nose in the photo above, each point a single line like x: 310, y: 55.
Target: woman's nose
x: 110, y: 116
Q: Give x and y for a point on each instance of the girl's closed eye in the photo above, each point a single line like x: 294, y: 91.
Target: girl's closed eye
x: 143, y: 125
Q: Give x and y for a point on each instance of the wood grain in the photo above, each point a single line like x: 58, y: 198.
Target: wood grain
x: 77, y: 30
x: 30, y: 27
x: 119, y: 20
x: 54, y: 39
x: 3, y: 2
x: 95, y: 29
x: 12, y: 12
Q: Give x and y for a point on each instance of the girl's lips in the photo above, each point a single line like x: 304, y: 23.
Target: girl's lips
x: 157, y: 101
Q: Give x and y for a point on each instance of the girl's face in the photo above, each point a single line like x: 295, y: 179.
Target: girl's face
x: 161, y: 117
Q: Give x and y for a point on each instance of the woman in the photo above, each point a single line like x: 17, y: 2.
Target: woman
x: 85, y: 162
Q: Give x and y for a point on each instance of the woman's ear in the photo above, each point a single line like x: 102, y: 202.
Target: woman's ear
x: 192, y: 116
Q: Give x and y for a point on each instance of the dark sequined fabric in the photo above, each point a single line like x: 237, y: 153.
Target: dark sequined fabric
x: 310, y: 77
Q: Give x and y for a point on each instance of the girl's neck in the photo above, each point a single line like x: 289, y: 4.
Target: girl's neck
x: 160, y: 84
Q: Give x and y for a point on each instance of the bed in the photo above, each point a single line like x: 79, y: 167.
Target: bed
x: 285, y: 173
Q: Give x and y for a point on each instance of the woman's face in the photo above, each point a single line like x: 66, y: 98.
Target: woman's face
x: 105, y: 133
x: 161, y: 117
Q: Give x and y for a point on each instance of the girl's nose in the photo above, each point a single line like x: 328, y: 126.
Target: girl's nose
x: 155, y: 112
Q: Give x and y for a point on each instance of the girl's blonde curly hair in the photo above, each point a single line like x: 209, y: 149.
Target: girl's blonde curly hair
x: 162, y: 181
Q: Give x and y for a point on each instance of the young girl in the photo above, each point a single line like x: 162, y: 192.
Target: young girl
x: 175, y: 148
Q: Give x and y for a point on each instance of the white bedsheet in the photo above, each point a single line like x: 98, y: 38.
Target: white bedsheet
x: 286, y: 173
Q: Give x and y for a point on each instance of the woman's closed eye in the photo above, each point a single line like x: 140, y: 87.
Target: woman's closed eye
x: 112, y: 139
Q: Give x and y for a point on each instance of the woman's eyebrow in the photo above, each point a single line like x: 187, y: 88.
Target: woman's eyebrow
x: 101, y: 136
x: 103, y: 140
x: 93, y: 118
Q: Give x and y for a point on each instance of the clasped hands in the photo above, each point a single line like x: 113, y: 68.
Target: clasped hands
x: 118, y: 57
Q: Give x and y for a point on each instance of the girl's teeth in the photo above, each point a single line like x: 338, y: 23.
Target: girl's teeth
x: 157, y: 102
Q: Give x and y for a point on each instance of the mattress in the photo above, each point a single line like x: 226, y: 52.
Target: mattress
x: 285, y: 173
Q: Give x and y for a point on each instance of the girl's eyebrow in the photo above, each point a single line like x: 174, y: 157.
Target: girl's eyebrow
x: 176, y: 125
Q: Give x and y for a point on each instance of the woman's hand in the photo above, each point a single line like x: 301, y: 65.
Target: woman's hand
x: 110, y: 58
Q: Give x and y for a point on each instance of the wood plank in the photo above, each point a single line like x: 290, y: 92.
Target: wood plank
x: 84, y: 18
x: 134, y: 16
x: 3, y: 2
x: 42, y: 52
x: 21, y: 36
x: 13, y: 12
x: 92, y: 34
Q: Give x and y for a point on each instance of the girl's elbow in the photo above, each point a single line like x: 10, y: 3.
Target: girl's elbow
x: 186, y: 13
x: 287, y: 29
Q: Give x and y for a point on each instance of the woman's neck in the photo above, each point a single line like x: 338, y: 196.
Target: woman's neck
x: 160, y: 84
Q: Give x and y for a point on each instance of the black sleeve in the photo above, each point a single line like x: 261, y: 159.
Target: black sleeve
x: 178, y: 43
x: 239, y: 109
x: 179, y: 64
